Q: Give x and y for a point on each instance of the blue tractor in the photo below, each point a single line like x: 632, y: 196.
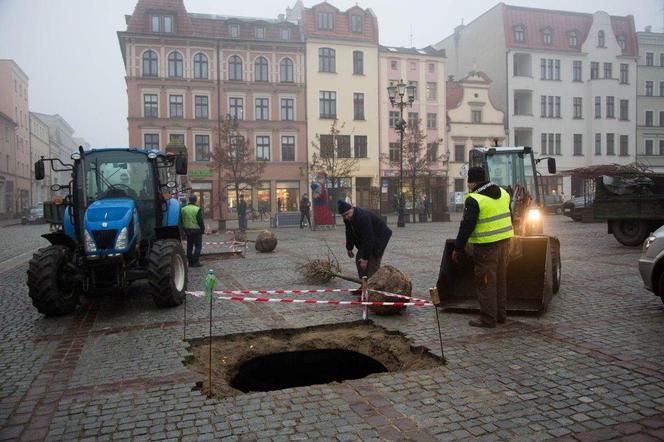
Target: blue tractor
x: 117, y: 224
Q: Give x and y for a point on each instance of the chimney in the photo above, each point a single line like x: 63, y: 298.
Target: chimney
x: 648, y: 28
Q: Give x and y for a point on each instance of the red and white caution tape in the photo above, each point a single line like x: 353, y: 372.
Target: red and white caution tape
x: 280, y: 292
x: 315, y: 301
x: 395, y: 295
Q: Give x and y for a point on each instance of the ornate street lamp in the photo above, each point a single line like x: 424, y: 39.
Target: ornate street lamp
x: 401, y: 96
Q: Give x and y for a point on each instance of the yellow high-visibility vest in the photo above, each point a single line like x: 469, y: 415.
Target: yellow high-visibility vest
x: 494, y: 222
x: 189, y: 214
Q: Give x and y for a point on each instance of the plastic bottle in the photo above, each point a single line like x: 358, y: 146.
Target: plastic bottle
x: 210, y: 284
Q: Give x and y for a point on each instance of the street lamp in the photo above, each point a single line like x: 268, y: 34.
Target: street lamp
x: 401, y: 96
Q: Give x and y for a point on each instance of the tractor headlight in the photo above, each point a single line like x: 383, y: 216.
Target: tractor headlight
x: 121, y: 242
x: 88, y: 242
x: 534, y: 215
x: 648, y: 242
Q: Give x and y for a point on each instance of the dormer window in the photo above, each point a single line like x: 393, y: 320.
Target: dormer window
x: 601, y: 40
x: 621, y: 42
x: 260, y: 33
x: 356, y: 22
x: 154, y: 23
x: 519, y: 33
x: 573, y: 39
x: 168, y: 23
x: 235, y: 31
x: 285, y: 34
x: 161, y: 23
x: 547, y: 36
x: 325, y: 21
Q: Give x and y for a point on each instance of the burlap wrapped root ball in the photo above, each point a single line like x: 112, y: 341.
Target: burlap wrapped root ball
x: 392, y: 280
x: 266, y: 241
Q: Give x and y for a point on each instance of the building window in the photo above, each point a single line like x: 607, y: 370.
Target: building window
x: 284, y: 34
x: 175, y: 106
x: 262, y: 109
x: 260, y: 69
x: 394, y: 65
x: 624, y: 145
x: 577, y: 70
x: 413, y: 119
x: 358, y: 106
x: 168, y: 23
x: 598, y: 107
x: 649, y: 88
x: 557, y: 107
x: 519, y: 33
x: 201, y: 107
x: 286, y: 70
x: 549, y: 69
x: 578, y: 144
x: 176, y: 139
x: 154, y: 23
x: 649, y: 147
x: 543, y: 106
x: 175, y: 64
x: 624, y: 110
x: 600, y: 40
x: 543, y: 149
x: 547, y: 36
x: 394, y: 152
x: 360, y: 146
x: 624, y: 73
x: 262, y: 148
x: 151, y: 141
x: 325, y: 21
x: 150, y: 65
x: 260, y: 33
x: 236, y: 108
x: 200, y: 66
x: 287, y: 109
x: 610, y: 144
x: 661, y: 147
x: 549, y: 106
x: 327, y: 101
x: 661, y: 88
x: 594, y: 70
x: 608, y: 70
x: 394, y: 118
x: 343, y: 146
x: 235, y: 68
x: 431, y: 120
x: 558, y: 144
x: 578, y: 107
x: 661, y: 118
x: 476, y: 116
x: 432, y: 68
x: 459, y: 185
x: 621, y: 42
x: 649, y: 118
x: 356, y: 23
x: 432, y: 91
x: 150, y: 106
x: 358, y: 63
x: 432, y: 152
x: 234, y: 30
x: 650, y: 59
x: 598, y: 144
x: 610, y: 107
x: 459, y: 153
x: 326, y: 60
x: 287, y: 148
x: 202, y: 147
x: 573, y: 39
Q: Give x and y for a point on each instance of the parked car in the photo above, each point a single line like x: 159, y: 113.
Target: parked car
x: 35, y: 215
x: 576, y: 207
x: 650, y: 263
x: 553, y: 203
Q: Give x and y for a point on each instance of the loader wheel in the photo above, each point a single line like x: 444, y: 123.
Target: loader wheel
x: 167, y: 273
x: 51, y: 284
x: 556, y: 265
x: 630, y: 232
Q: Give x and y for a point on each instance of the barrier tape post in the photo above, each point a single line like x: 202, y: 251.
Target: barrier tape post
x: 435, y: 299
x: 184, y: 333
x: 365, y: 308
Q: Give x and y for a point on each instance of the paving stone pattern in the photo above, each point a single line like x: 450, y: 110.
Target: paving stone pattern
x: 591, y: 368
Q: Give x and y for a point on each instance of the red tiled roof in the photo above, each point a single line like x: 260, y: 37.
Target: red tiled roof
x: 561, y: 23
x: 342, y: 27
x: 139, y: 21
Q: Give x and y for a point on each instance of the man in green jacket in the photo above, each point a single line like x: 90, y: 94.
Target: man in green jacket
x: 192, y: 222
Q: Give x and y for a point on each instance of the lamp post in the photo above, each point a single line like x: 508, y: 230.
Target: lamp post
x: 401, y: 96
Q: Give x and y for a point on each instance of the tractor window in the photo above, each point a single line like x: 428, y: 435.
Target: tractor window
x: 118, y: 174
x: 511, y: 169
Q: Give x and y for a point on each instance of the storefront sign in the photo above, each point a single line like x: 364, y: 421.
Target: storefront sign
x: 200, y: 173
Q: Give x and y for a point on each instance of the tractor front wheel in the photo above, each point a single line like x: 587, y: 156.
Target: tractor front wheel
x: 51, y: 284
x: 167, y: 273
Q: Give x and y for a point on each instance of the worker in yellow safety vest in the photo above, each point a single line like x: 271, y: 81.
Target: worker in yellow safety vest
x: 192, y: 221
x: 487, y: 225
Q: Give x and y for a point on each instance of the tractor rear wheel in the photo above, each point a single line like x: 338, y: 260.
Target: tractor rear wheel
x: 51, y: 285
x: 167, y: 273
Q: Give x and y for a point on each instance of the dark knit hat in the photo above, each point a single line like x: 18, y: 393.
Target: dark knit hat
x: 193, y: 198
x: 343, y: 207
x: 476, y: 175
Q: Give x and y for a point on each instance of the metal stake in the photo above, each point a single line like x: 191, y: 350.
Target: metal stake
x: 210, y: 350
x: 435, y: 299
x: 365, y: 308
x: 184, y: 333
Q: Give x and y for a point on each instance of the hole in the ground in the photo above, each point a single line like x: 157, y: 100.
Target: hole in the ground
x: 285, y: 358
x: 301, y: 368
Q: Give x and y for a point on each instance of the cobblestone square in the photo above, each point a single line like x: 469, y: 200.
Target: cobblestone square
x: 591, y: 368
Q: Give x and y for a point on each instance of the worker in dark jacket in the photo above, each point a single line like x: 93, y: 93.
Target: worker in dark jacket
x: 487, y: 225
x: 194, y: 227
x: 368, y: 233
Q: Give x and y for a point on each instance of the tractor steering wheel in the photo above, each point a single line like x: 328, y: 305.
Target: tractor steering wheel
x: 120, y: 190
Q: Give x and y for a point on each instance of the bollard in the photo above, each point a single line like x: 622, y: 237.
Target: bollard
x: 435, y: 299
x: 365, y: 298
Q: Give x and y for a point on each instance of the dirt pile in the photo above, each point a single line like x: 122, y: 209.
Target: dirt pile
x: 266, y: 241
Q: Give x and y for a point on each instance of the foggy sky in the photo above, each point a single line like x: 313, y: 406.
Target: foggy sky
x: 70, y: 51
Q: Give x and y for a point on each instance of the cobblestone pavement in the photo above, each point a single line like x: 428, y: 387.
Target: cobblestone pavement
x: 591, y: 368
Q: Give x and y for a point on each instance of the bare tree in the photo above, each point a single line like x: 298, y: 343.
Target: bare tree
x: 234, y: 158
x: 420, y: 156
x: 332, y: 155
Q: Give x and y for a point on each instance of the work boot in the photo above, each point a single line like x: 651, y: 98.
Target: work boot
x: 478, y: 323
x: 196, y: 264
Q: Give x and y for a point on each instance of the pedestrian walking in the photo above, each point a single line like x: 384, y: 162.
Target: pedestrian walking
x: 305, y: 206
x: 487, y: 225
x: 242, y: 213
x: 366, y: 232
x: 427, y: 207
x: 192, y: 221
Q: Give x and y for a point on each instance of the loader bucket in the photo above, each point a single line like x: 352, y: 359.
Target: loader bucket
x: 529, y: 285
